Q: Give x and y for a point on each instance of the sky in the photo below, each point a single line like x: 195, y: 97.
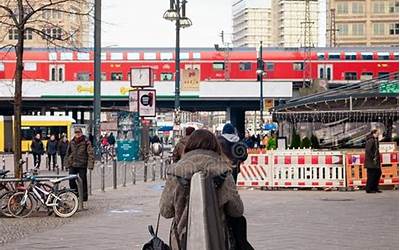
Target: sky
x: 134, y: 23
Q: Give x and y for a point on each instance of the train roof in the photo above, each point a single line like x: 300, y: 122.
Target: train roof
x: 212, y: 49
x: 41, y: 118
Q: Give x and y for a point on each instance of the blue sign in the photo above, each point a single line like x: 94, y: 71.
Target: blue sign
x: 127, y: 150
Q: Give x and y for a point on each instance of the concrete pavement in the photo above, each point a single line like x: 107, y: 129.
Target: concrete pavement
x: 276, y: 220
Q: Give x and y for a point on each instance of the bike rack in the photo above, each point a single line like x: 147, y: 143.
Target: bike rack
x: 50, y: 177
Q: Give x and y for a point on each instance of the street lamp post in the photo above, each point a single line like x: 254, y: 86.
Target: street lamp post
x: 177, y: 13
x: 260, y: 74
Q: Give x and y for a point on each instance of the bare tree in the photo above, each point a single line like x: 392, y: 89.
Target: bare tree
x: 22, y: 18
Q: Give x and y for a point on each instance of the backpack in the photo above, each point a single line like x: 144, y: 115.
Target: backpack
x: 239, y: 151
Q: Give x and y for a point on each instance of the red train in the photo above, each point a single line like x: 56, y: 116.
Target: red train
x: 336, y: 65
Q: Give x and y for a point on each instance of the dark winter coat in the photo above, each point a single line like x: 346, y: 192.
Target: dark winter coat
x: 372, y: 156
x: 51, y: 147
x: 62, y: 147
x: 174, y: 199
x: 178, y: 149
x: 37, y: 146
x: 226, y: 141
x: 80, y: 154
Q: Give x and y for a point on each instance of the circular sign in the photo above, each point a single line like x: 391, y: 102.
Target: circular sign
x: 145, y: 100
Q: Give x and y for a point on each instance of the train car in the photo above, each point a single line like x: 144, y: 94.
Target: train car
x: 31, y: 125
x: 333, y: 65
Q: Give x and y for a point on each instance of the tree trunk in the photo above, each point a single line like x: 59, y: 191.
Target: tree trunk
x: 19, y: 50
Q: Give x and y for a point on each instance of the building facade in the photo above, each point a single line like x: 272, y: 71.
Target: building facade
x: 365, y: 22
x: 278, y: 23
x: 57, y: 26
x: 251, y: 23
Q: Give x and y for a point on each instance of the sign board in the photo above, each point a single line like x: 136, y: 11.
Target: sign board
x: 190, y: 80
x: 133, y: 101
x: 387, y: 147
x: 142, y: 77
x: 282, y: 143
x: 127, y: 150
x: 389, y: 88
x: 268, y: 104
x: 147, y: 102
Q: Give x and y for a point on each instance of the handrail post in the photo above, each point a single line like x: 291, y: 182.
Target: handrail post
x: 26, y: 161
x: 145, y: 167
x: 153, y: 169
x: 125, y: 170
x: 90, y: 181
x: 133, y: 174
x: 80, y: 191
x: 4, y: 163
x: 103, y: 184
x: 114, y: 173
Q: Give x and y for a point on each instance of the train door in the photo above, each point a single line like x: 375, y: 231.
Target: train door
x: 325, y: 71
x: 57, y: 72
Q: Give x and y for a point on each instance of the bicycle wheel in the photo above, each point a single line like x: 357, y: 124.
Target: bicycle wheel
x: 66, y: 204
x: 4, y: 203
x: 20, y: 205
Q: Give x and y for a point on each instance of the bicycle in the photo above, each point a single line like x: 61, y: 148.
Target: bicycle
x: 63, y: 202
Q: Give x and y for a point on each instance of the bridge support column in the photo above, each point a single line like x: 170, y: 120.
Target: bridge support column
x: 237, y: 118
x: 75, y: 115
x: 82, y: 117
x: 388, y: 130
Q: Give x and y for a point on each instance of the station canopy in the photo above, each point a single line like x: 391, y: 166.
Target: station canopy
x: 374, y: 100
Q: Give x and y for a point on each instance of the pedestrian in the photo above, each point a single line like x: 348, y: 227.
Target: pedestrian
x: 37, y: 150
x: 202, y: 153
x: 51, y: 149
x: 180, y: 146
x: 373, y: 162
x: 227, y: 141
x: 248, y: 140
x: 79, y: 159
x: 62, y: 150
x: 111, y: 139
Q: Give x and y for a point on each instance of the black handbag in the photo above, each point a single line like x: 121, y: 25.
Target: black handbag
x: 155, y: 243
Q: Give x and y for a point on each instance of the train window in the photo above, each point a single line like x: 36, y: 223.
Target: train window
x: 83, y: 76
x: 150, y: 56
x: 1, y: 66
x: 244, y: 66
x: 133, y: 56
x: 61, y: 74
x: 29, y: 132
x: 52, y: 56
x: 166, y: 76
x: 366, y: 75
x: 117, y: 56
x: 116, y: 76
x: 366, y: 56
x: 269, y: 66
x: 383, y: 74
x: 184, y: 55
x: 321, y: 73
x: 396, y: 56
x: 298, y: 66
x: 350, y: 76
x: 103, y: 76
x: 383, y: 56
x: 83, y: 56
x: 26, y: 133
x: 334, y: 56
x: 218, y: 66
x: 328, y: 73
x: 321, y: 56
x: 30, y: 66
x: 166, y: 56
x: 350, y: 56
x: 66, y: 56
x: 53, y: 74
x: 196, y: 55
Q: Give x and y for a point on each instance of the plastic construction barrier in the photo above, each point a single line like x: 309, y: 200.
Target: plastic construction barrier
x: 293, y: 168
x: 357, y: 173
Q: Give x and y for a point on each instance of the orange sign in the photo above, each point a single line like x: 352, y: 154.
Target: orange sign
x: 190, y: 80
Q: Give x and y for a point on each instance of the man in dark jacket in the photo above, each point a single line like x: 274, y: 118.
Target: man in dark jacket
x: 372, y: 162
x: 79, y: 158
x: 228, y: 139
x: 37, y: 149
x: 51, y: 149
x: 62, y: 150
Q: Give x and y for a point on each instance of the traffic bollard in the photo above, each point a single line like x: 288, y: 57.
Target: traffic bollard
x: 124, y: 183
x: 114, y: 173
x: 153, y: 170
x: 103, y: 173
x: 90, y: 181
x: 47, y: 162
x: 133, y: 174
x: 26, y: 161
x: 4, y: 163
x: 145, y: 170
x: 57, y: 170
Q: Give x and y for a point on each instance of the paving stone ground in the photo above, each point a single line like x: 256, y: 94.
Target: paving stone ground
x: 118, y: 219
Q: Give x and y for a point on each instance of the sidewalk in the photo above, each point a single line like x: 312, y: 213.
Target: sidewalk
x: 276, y: 220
